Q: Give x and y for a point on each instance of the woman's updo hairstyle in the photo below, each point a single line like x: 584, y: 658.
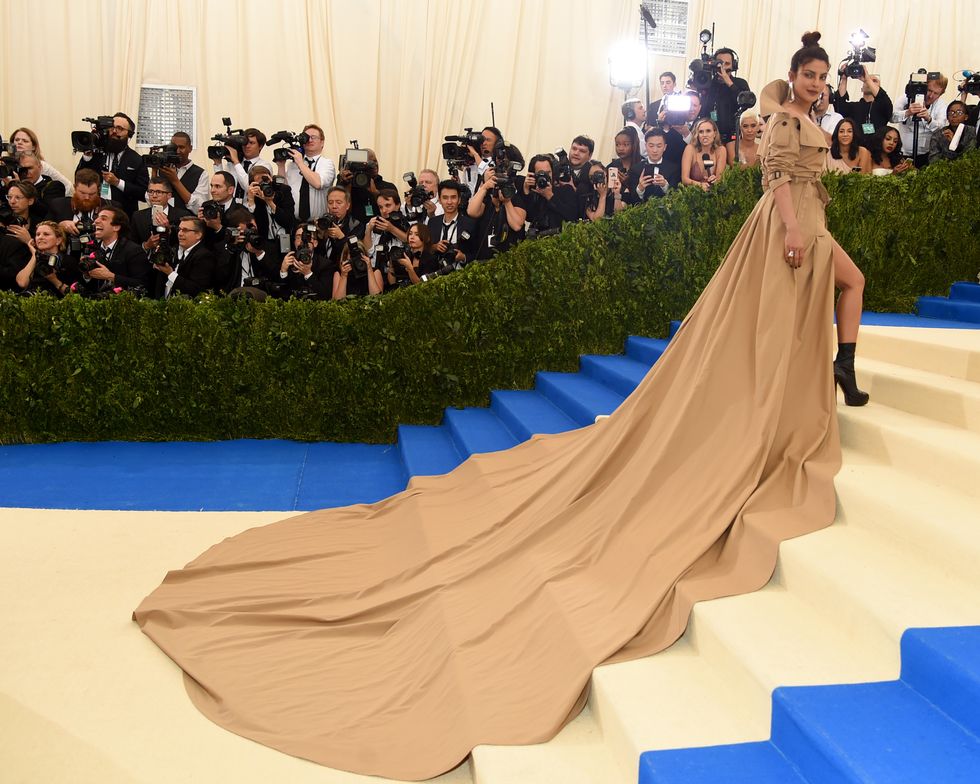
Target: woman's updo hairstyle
x: 811, y: 51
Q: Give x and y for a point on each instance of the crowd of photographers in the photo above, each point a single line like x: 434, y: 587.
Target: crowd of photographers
x: 296, y: 225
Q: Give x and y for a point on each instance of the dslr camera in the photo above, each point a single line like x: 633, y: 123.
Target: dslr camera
x: 416, y: 195
x: 859, y: 53
x: 94, y: 139
x: 456, y: 151
x: 971, y: 82
x: 356, y: 161
x: 162, y: 252
x: 7, y: 217
x: 241, y: 237
x: 507, y: 163
x: 358, y: 265
x: 211, y: 210
x: 542, y: 180
x: 563, y: 167
x: 232, y: 138
x: 84, y: 242
x: 162, y: 155
x: 291, y: 141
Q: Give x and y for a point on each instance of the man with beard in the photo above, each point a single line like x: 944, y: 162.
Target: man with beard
x: 120, y: 166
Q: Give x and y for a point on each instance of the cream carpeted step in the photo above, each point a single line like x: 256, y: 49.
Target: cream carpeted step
x: 948, y: 352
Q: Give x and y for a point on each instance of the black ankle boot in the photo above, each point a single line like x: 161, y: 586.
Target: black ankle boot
x: 844, y: 375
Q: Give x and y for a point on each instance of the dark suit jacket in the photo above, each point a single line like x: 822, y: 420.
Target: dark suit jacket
x: 465, y: 225
x: 14, y: 256
x: 130, y: 169
x: 229, y: 267
x: 670, y: 170
x: 48, y: 191
x: 139, y: 227
x: 285, y: 211
x: 62, y: 209
x: 130, y: 264
x: 194, y: 274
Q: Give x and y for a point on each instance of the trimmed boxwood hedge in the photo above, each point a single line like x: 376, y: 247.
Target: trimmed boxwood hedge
x: 78, y: 369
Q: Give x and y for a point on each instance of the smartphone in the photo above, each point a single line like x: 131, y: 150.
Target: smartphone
x: 157, y: 213
x: 613, y: 176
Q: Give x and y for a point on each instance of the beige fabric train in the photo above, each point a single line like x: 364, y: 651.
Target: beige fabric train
x: 471, y: 608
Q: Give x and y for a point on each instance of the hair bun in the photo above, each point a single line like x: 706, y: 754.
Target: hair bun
x: 811, y: 39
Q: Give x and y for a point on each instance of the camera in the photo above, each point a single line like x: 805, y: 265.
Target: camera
x: 231, y: 138
x: 250, y: 235
x: 268, y: 189
x: 971, y: 82
x: 84, y: 241
x: 507, y: 163
x: 94, y: 139
x: 859, y: 53
x: 292, y: 141
x: 456, y: 151
x: 918, y: 85
x: 416, y: 195
x: 162, y: 252
x: 8, y: 165
x: 358, y: 265
x: 703, y: 71
x: 676, y: 109
x: 211, y: 209
x: 46, y: 264
x: 8, y: 218
x: 356, y: 161
x: 563, y: 168
x: 542, y: 180
x: 598, y: 178
x: 162, y: 155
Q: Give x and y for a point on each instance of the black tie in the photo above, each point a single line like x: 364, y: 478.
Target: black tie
x: 246, y: 165
x: 106, y: 253
x: 304, y: 195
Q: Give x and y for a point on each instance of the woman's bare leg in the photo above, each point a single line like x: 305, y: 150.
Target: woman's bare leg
x: 850, y: 280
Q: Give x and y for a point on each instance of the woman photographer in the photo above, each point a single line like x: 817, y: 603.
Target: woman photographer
x: 21, y: 197
x: 748, y: 147
x: 886, y: 153
x: 704, y: 157
x: 627, y: 166
x: 597, y: 194
x: 47, y: 252
x: 939, y: 145
x: 417, y: 260
x: 355, y: 276
x: 25, y: 141
x: 296, y: 269
x: 846, y: 152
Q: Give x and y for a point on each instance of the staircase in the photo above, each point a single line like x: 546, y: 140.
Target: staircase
x: 904, y: 552
x: 963, y: 304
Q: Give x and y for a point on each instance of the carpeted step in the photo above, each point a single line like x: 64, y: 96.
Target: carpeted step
x: 527, y: 412
x: 744, y: 763
x: 426, y: 450
x: 620, y: 373
x: 965, y: 291
x: 477, y: 430
x: 943, y: 665
x: 582, y: 398
x: 943, y: 308
x: 343, y: 474
x: 957, y: 355
x: 674, y: 326
x: 645, y: 350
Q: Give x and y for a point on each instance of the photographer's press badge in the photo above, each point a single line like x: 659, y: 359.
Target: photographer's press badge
x: 868, y: 128
x: 105, y: 191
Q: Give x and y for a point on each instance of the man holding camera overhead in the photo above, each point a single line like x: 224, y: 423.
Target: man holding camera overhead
x: 364, y: 183
x: 309, y: 174
x: 719, y: 99
x: 873, y: 112
x: 120, y: 166
x: 928, y: 106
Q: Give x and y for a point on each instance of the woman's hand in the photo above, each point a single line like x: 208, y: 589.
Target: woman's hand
x: 20, y: 232
x: 793, y: 250
x: 903, y: 166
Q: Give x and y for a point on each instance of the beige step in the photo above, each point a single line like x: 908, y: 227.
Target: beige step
x: 923, y: 447
x: 931, y: 395
x: 948, y: 352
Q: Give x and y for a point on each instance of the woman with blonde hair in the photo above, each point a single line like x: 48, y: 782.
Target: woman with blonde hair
x: 704, y: 158
x: 47, y: 257
x: 749, y: 131
x: 26, y: 141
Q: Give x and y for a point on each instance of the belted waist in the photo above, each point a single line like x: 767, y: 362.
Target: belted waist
x: 810, y: 177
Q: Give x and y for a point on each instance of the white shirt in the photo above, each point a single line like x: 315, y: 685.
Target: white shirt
x: 172, y: 277
x: 639, y: 138
x: 238, y: 170
x: 937, y: 120
x: 829, y: 121
x: 201, y: 192
x: 318, y: 196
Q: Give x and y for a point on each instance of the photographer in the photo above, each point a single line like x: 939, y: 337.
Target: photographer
x: 387, y: 231
x: 499, y: 216
x: 118, y: 262
x: 705, y: 158
x: 213, y: 212
x: 719, y: 101
x: 429, y: 180
x: 416, y: 260
x: 656, y: 110
x: 548, y: 202
x: 355, y: 276
x: 40, y: 262
x: 272, y: 205
x: 188, y: 181
x: 192, y: 269
x: 144, y: 229
x: 972, y: 109
x: 580, y: 153
x: 451, y: 228
x: 239, y: 166
x: 634, y: 116
x: 309, y: 175
x: 930, y: 114
x: 296, y: 270
x: 658, y: 175
x: 364, y: 198
x: 47, y: 189
x: 469, y: 175
x: 246, y: 254
x: 120, y: 166
x: 873, y: 112
x: 599, y: 197
x: 20, y: 198
x: 25, y: 142
x: 939, y: 148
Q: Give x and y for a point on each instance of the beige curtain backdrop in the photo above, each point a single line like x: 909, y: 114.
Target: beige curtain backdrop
x: 398, y: 75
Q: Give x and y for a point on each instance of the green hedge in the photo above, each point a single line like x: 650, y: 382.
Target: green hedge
x: 81, y: 369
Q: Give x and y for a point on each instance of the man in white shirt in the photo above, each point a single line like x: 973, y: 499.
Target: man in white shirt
x: 931, y: 114
x: 309, y: 175
x: 239, y: 166
x: 190, y: 183
x: 826, y: 117
x: 634, y: 116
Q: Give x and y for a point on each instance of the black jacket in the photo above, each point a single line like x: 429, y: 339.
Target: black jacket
x: 723, y: 100
x: 194, y: 274
x: 130, y: 169
x: 129, y: 263
x: 465, y: 234
x: 14, y: 256
x: 285, y: 214
x: 62, y: 209
x: 878, y: 112
x: 139, y: 227
x: 543, y: 214
x: 229, y: 265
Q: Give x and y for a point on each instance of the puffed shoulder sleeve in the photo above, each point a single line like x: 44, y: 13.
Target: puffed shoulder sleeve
x: 782, y: 151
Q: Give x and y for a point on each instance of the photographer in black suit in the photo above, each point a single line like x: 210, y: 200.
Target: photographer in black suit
x: 192, y: 269
x: 47, y: 189
x: 213, y: 212
x: 337, y: 225
x: 118, y: 262
x: 143, y: 228
x: 452, y: 227
x: 719, y: 101
x: 272, y: 205
x: 364, y: 189
x: 246, y: 255
x: 499, y: 216
x: 658, y: 174
x: 121, y: 166
x: 549, y: 203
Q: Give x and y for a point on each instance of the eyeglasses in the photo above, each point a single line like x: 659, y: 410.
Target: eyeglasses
x: 956, y: 113
x: 158, y: 192
x: 192, y: 231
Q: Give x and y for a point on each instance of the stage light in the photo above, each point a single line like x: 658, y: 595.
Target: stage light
x: 627, y: 66
x: 859, y: 38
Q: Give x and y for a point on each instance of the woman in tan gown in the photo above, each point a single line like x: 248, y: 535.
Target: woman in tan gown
x: 392, y: 638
